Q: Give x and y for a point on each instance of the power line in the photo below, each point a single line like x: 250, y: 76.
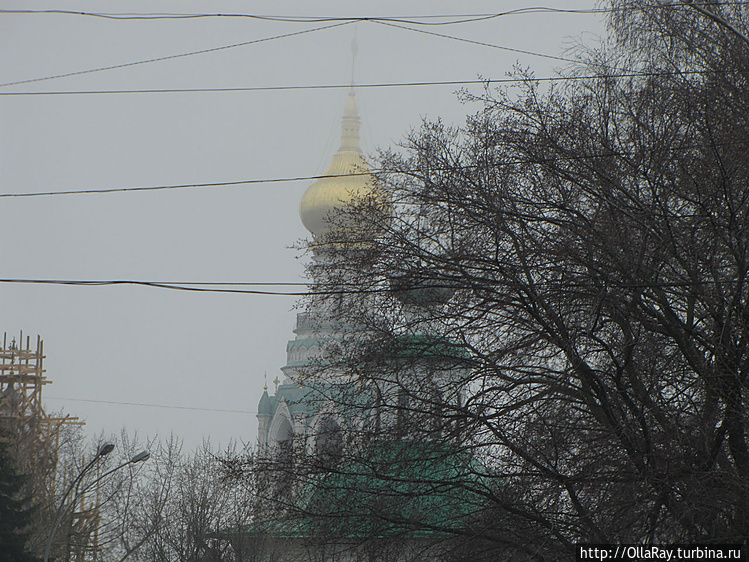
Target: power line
x: 511, y: 49
x: 391, y: 21
x: 353, y: 174
x: 189, y: 287
x: 486, y: 81
x: 412, y: 19
x: 453, y: 19
x: 345, y: 22
x: 196, y: 283
x: 281, y: 88
x: 354, y: 290
x: 182, y: 186
x: 193, y: 408
x: 171, y: 57
x: 473, y: 42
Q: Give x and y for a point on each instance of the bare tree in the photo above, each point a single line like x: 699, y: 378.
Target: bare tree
x: 557, y: 305
x: 175, y: 507
x: 181, y: 509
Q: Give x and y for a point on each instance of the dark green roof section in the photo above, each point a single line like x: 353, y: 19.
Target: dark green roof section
x: 393, y: 489
x: 305, y: 343
x: 265, y: 408
x: 302, y: 399
x: 428, y: 346
x: 397, y: 488
x: 298, y: 398
x: 316, y: 363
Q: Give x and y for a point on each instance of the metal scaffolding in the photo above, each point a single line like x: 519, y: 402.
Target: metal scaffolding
x: 34, y: 436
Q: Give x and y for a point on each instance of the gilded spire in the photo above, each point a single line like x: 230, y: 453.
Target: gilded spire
x: 350, y: 124
x: 346, y: 178
x: 354, y: 52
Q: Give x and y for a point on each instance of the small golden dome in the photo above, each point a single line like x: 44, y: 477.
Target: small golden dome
x: 348, y: 178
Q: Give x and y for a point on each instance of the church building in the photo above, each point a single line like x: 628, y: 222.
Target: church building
x: 372, y: 495
x: 294, y: 411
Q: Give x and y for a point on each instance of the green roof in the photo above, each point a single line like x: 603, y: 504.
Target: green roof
x: 393, y: 489
x: 265, y: 408
x: 423, y: 345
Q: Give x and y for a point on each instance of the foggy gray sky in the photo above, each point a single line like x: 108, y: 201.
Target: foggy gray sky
x: 204, y: 351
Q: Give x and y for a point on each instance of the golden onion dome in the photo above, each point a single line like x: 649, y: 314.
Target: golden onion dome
x: 346, y: 179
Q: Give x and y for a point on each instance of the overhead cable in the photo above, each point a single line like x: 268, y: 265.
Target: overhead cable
x: 544, y: 161
x: 180, y: 186
x: 394, y: 22
x: 412, y: 19
x: 347, y: 22
x: 485, y: 81
x: 171, y: 57
x: 473, y: 42
x: 452, y: 19
x: 119, y: 403
x: 354, y: 290
x: 190, y: 287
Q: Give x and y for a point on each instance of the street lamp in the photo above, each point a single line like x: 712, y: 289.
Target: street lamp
x: 140, y: 457
x: 104, y: 450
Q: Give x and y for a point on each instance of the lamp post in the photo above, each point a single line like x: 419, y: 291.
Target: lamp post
x: 140, y: 457
x: 104, y: 450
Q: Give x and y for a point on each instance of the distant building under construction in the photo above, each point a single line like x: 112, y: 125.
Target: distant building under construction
x: 34, y: 439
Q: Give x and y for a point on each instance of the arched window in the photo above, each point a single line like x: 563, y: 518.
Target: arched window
x: 284, y: 432
x: 329, y: 443
x: 284, y: 460
x: 402, y: 413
